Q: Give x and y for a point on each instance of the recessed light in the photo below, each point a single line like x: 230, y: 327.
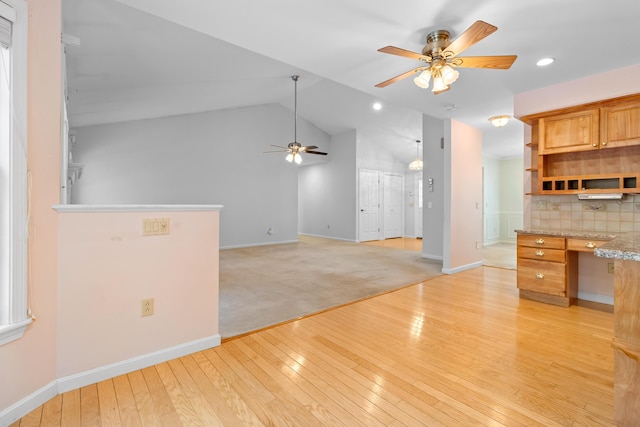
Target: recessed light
x: 377, y: 106
x: 544, y: 61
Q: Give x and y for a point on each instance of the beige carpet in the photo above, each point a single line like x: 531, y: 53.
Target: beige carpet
x: 265, y: 285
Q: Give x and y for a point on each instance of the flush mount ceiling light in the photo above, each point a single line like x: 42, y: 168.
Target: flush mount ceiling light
x: 416, y: 165
x: 293, y: 149
x: 544, y: 61
x: 499, y: 121
x: 377, y: 106
x: 441, y: 56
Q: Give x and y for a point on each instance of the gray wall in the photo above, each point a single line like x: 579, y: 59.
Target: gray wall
x: 433, y: 218
x: 328, y: 192
x: 206, y: 158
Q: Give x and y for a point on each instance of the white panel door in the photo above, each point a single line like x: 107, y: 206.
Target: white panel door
x: 393, y: 186
x: 369, y: 206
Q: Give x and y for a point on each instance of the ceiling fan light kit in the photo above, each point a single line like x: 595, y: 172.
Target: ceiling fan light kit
x: 440, y: 55
x: 499, y: 121
x: 294, y: 149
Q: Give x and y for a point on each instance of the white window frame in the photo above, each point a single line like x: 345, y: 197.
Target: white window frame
x: 14, y: 316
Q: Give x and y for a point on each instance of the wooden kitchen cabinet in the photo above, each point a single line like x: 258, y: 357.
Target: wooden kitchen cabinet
x: 546, y: 271
x: 620, y: 125
x: 590, y: 148
x: 569, y: 132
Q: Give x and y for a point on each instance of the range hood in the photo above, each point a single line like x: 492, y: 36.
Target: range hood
x: 600, y: 196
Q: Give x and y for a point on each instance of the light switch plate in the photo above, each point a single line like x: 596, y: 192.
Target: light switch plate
x: 155, y: 226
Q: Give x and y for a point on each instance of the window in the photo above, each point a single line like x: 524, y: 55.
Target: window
x: 13, y: 170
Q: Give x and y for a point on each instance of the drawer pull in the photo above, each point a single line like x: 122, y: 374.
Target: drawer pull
x: 595, y: 144
x: 539, y: 276
x: 539, y: 241
x: 539, y: 253
x: 590, y: 245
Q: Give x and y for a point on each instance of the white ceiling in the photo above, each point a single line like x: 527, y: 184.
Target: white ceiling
x: 151, y: 58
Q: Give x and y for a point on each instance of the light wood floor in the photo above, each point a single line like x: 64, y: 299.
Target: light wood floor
x: 456, y: 350
x: 398, y: 243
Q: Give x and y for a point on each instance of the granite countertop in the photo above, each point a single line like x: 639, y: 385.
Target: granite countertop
x: 595, y: 235
x: 625, y: 246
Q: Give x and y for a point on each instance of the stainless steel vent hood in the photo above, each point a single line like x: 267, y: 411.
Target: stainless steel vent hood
x: 600, y: 196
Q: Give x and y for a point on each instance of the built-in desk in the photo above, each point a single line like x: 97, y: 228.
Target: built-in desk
x: 548, y: 263
x: 624, y: 249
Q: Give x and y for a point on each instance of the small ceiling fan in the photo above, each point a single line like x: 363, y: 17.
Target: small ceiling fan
x: 295, y: 148
x: 441, y: 57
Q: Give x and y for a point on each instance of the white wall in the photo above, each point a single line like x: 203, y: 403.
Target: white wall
x: 328, y: 192
x: 463, y: 197
x: 433, y: 217
x: 491, y: 194
x: 503, y: 199
x: 207, y: 158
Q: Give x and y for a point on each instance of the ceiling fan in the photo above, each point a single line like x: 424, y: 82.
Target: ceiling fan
x: 295, y: 148
x: 441, y: 57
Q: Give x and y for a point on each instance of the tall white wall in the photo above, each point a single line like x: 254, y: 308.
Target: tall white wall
x: 328, y: 192
x: 433, y: 211
x: 463, y: 197
x: 503, y: 199
x: 207, y: 158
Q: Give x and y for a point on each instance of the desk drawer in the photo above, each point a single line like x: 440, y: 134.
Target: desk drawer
x: 584, y: 245
x: 541, y: 254
x: 539, y: 241
x: 542, y: 276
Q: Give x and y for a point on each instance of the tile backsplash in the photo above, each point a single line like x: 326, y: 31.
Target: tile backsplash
x: 569, y: 213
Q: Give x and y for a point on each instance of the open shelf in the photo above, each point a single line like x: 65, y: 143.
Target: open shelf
x: 625, y: 183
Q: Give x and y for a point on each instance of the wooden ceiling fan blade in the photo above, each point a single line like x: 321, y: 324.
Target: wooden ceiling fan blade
x: 308, y: 147
x: 278, y: 146
x: 403, y: 52
x: 502, y: 62
x: 472, y: 35
x: 401, y: 76
x: 316, y: 152
x: 276, y: 151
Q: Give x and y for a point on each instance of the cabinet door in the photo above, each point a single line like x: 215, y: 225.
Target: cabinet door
x: 564, y: 133
x: 542, y: 276
x: 620, y: 125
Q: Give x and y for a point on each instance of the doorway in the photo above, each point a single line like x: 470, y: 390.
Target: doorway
x: 392, y: 200
x: 380, y: 205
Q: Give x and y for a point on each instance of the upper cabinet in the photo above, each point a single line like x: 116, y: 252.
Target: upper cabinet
x: 569, y: 132
x: 591, y: 148
x: 620, y: 124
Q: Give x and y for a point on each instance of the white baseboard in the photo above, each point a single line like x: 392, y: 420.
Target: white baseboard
x: 28, y: 404
x: 329, y: 237
x: 250, y: 245
x: 462, y: 268
x: 81, y: 379
x: 588, y: 296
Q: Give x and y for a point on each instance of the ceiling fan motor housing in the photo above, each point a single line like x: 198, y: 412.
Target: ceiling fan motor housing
x: 437, y: 41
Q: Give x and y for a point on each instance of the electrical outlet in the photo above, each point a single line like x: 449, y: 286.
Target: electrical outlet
x: 610, y: 268
x: 147, y: 307
x: 155, y: 226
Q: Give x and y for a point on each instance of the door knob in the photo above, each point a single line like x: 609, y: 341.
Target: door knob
x: 361, y: 210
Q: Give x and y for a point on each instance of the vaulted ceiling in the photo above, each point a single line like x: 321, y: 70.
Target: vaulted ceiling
x: 151, y: 58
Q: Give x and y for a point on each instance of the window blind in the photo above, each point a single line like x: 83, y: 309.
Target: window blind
x: 5, y: 32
